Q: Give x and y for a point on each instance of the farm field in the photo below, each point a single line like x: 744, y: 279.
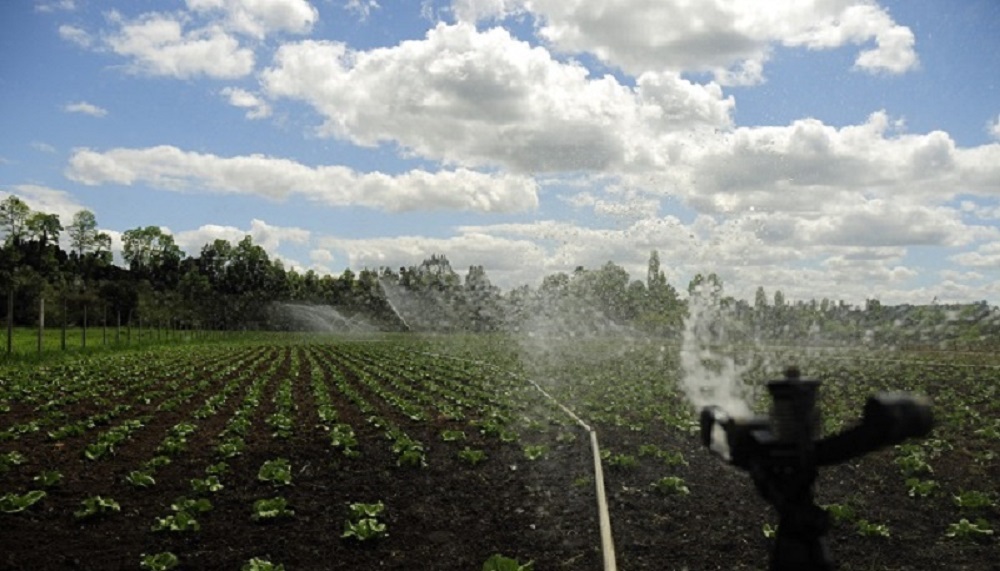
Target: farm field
x: 437, y: 452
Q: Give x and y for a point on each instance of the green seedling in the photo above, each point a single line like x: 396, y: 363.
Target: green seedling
x: 364, y: 524
x: 159, y: 561
x: 471, y: 457
x: 269, y: 509
x: 500, y: 563
x: 278, y: 472
x: 918, y: 488
x: 973, y: 500
x: 217, y: 469
x: 260, y: 564
x: 140, y: 479
x: 48, y: 478
x: 364, y: 529
x: 840, y: 513
x: 870, y: 529
x: 965, y: 529
x: 13, y: 503
x: 452, y: 435
x: 95, y: 506
x: 534, y: 452
x: 671, y: 485
x: 622, y: 461
x: 208, y: 485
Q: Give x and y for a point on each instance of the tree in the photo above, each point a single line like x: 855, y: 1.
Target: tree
x: 760, y: 299
x: 655, y: 279
x: 14, y: 214
x: 44, y: 227
x: 83, y: 233
x: 152, y: 254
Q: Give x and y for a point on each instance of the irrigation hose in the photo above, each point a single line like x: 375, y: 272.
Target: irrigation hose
x: 607, y: 541
x: 604, y: 520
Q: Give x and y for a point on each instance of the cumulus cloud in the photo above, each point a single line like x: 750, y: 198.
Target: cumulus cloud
x: 807, y: 166
x: 256, y: 107
x: 486, y: 98
x: 260, y: 18
x: 174, y: 169
x: 75, y: 35
x: 993, y: 128
x: 46, y: 199
x: 510, y: 261
x: 85, y: 108
x: 55, y: 5
x: 158, y: 44
x: 731, y: 39
x: 263, y: 234
x: 362, y: 8
x: 986, y: 256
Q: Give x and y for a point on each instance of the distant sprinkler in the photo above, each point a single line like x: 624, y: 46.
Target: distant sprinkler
x: 782, y: 453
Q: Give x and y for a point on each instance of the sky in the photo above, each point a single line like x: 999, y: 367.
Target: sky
x: 837, y: 149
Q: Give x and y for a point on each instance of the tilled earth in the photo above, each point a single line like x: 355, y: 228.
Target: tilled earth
x: 450, y: 516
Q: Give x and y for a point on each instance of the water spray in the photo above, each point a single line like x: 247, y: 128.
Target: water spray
x: 782, y: 453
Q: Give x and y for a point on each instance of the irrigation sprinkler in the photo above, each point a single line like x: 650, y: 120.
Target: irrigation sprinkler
x: 782, y: 453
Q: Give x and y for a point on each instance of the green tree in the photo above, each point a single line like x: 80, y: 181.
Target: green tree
x: 14, y: 214
x: 83, y: 234
x: 44, y: 227
x: 760, y: 299
x: 152, y: 254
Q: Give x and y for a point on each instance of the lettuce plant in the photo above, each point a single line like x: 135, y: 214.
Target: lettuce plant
x: 95, y: 506
x: 260, y: 564
x: 671, y: 485
x: 965, y: 529
x: 500, y: 563
x: 273, y: 508
x: 140, y: 479
x: 13, y: 503
x: 471, y: 456
x: 277, y: 471
x: 159, y: 561
x: 48, y: 478
x: 364, y: 524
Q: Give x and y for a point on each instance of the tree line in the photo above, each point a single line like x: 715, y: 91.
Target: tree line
x: 236, y: 286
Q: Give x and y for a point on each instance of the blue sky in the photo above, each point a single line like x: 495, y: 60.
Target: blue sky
x: 841, y: 149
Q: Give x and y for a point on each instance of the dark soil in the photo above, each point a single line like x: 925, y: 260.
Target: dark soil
x: 448, y: 515
x: 444, y: 516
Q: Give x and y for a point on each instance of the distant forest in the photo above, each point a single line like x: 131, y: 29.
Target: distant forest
x: 236, y: 286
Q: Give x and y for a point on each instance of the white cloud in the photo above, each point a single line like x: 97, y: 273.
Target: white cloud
x: 174, y: 169
x: 54, y: 5
x: 993, y: 127
x: 85, y: 108
x: 362, y: 8
x: 158, y: 45
x: 47, y: 200
x: 731, y: 39
x: 808, y: 166
x: 321, y: 256
x: 256, y: 107
x: 484, y: 98
x: 260, y: 18
x: 263, y: 234
x: 76, y: 35
x: 43, y: 147
x: 986, y: 256
x: 508, y: 262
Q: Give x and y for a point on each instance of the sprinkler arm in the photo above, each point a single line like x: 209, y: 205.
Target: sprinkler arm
x: 887, y: 420
x: 782, y: 454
